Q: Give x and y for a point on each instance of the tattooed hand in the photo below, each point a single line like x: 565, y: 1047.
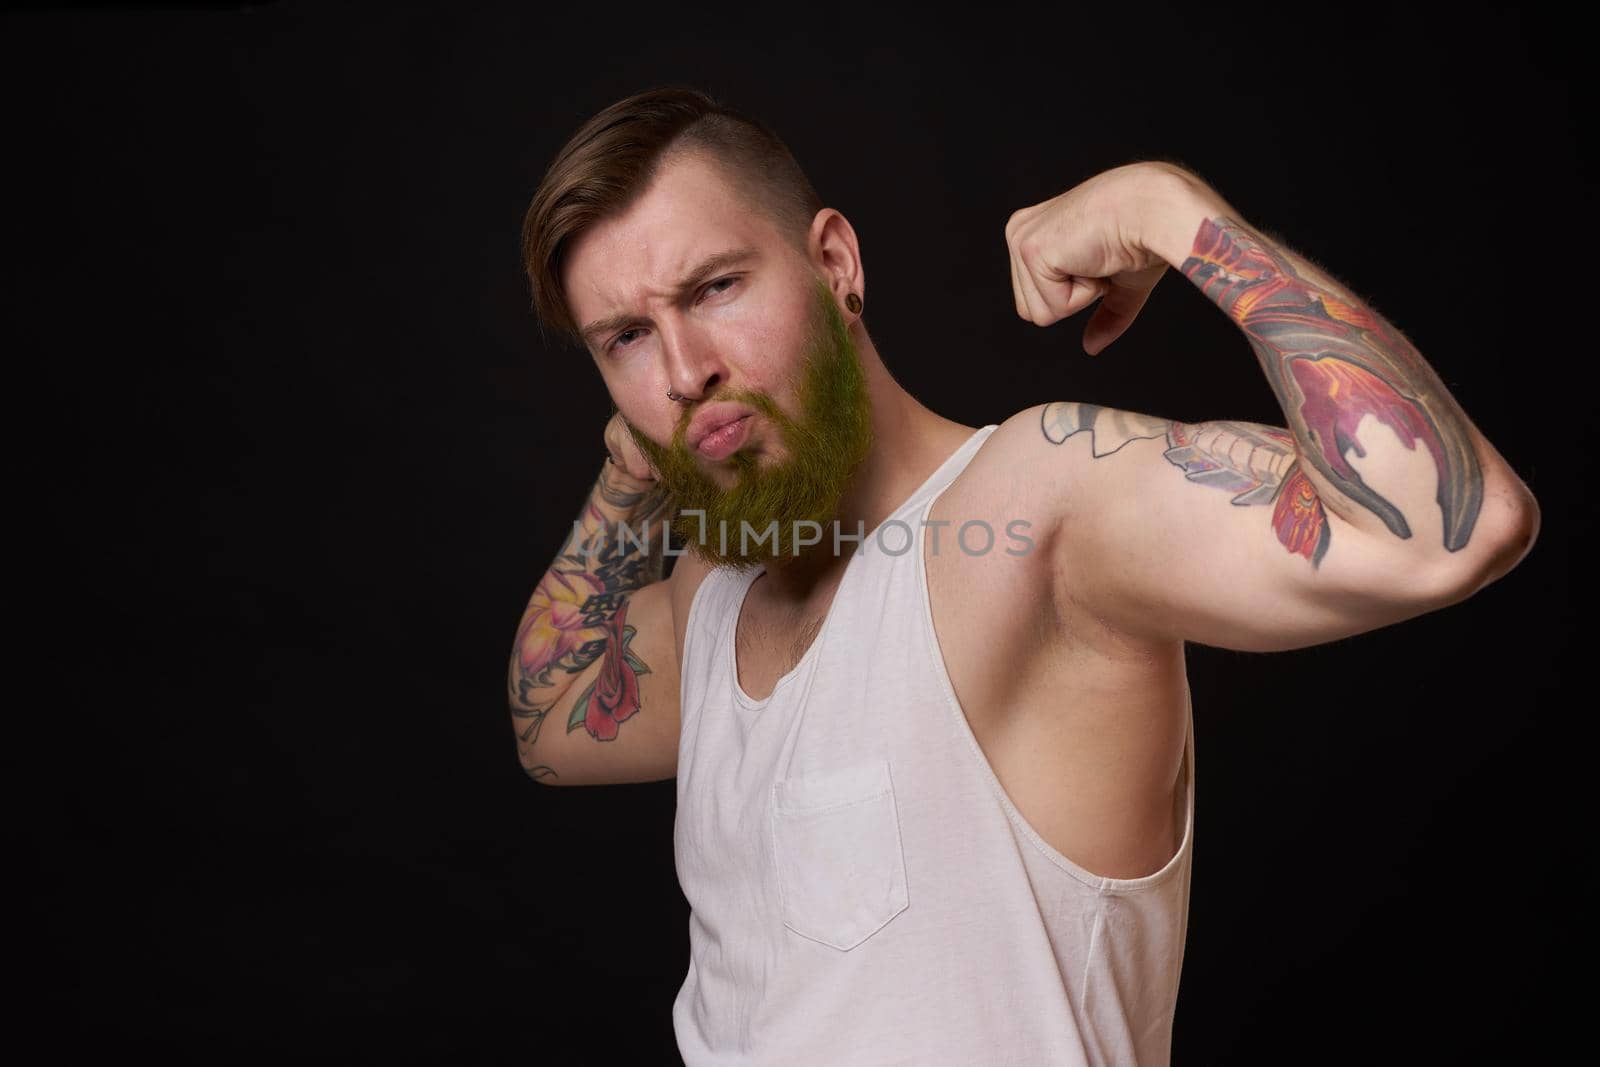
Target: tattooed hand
x: 625, y: 453
x: 1084, y: 245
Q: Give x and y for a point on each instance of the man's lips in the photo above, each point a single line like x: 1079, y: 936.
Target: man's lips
x: 724, y: 440
x: 713, y: 418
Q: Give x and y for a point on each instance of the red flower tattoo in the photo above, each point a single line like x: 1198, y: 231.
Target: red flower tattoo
x: 613, y: 697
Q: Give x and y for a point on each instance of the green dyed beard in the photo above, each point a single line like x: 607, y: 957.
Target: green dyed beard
x: 830, y: 440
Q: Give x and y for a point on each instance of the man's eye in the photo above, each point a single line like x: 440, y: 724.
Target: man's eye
x: 620, y: 343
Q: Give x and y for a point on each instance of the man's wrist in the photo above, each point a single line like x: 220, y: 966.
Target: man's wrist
x: 1171, y: 205
x: 620, y: 485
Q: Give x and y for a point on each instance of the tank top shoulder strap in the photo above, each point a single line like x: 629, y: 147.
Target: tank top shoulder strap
x: 711, y: 610
x: 947, y: 472
x: 716, y: 601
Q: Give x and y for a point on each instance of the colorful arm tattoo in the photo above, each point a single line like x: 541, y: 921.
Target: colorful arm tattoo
x: 578, y: 613
x: 1256, y: 463
x: 1331, y: 360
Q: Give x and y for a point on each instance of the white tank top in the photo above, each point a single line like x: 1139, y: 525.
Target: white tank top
x: 862, y: 890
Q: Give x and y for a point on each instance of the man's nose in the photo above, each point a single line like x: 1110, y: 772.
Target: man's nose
x: 694, y: 365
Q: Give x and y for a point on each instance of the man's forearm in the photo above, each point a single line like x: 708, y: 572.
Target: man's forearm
x: 1332, y: 361
x: 617, y: 545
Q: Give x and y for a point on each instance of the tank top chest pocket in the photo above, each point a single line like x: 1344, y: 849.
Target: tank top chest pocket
x: 841, y: 870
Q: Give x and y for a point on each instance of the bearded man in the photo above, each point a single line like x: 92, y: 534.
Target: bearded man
x: 922, y: 684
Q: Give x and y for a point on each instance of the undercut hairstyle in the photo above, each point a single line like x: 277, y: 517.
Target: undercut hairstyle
x: 614, y: 156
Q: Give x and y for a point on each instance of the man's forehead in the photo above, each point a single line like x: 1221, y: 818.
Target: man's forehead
x: 688, y: 214
x: 622, y: 269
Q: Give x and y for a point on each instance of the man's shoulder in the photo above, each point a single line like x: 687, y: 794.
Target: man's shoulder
x: 1019, y: 466
x: 1045, y: 454
x: 1033, y: 477
x: 1033, y: 482
x: 1002, y: 508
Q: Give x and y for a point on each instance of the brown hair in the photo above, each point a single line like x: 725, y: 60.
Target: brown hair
x: 615, y: 155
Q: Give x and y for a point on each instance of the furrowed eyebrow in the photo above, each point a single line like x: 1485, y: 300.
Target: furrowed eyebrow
x: 693, y: 280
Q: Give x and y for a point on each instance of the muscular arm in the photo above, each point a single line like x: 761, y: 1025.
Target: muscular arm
x: 1358, y: 399
x: 578, y: 615
x: 1377, y: 501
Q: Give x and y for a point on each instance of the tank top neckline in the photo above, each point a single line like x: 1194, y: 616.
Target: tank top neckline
x: 749, y: 702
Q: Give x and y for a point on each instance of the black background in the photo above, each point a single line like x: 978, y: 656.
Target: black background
x: 301, y: 456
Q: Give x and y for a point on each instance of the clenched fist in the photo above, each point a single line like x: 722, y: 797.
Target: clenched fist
x: 1086, y: 245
